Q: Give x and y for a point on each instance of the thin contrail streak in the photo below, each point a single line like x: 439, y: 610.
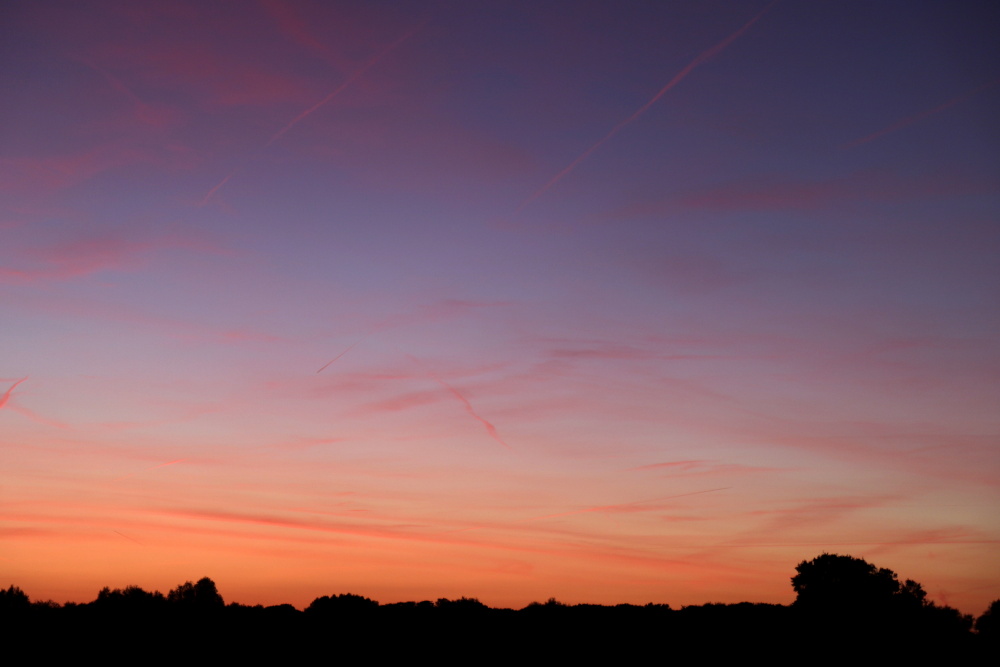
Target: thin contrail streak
x: 364, y: 68
x: 6, y: 396
x: 605, y: 508
x: 910, y: 120
x: 211, y: 192
x: 349, y: 348
x: 704, y: 57
x: 354, y: 77
x: 490, y: 428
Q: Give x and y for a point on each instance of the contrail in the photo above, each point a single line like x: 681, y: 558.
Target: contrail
x: 490, y: 428
x: 215, y: 189
x: 364, y: 68
x: 703, y: 58
x: 354, y: 77
x: 350, y: 347
x: 910, y: 120
x: 6, y: 396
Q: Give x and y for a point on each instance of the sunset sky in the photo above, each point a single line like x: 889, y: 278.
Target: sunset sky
x: 602, y: 301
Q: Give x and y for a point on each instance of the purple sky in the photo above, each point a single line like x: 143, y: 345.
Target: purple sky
x: 611, y: 301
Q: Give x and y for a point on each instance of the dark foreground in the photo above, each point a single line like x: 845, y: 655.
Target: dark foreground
x: 453, y: 631
x: 846, y: 609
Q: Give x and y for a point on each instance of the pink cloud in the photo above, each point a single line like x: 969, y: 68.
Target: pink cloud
x: 6, y: 404
x: 93, y: 253
x: 6, y: 396
x: 38, y: 419
x: 490, y: 428
x: 49, y: 174
x: 292, y: 25
x: 401, y: 402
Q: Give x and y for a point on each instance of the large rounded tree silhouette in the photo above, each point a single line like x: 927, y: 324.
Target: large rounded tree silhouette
x: 834, y: 582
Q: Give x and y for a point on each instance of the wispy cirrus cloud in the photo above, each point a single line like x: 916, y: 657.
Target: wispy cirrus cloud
x: 94, y: 252
x: 46, y: 175
x: 290, y: 23
x: 6, y: 396
x: 6, y: 404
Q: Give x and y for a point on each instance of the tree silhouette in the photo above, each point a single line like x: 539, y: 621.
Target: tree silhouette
x: 834, y: 582
x: 463, y: 605
x: 346, y: 604
x: 131, y: 599
x: 847, y: 602
x: 13, y: 600
x: 988, y: 625
x: 201, y: 595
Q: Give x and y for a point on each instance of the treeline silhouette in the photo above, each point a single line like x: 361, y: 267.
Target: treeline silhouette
x: 845, y: 607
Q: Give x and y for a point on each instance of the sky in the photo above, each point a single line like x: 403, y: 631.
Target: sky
x: 602, y: 301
